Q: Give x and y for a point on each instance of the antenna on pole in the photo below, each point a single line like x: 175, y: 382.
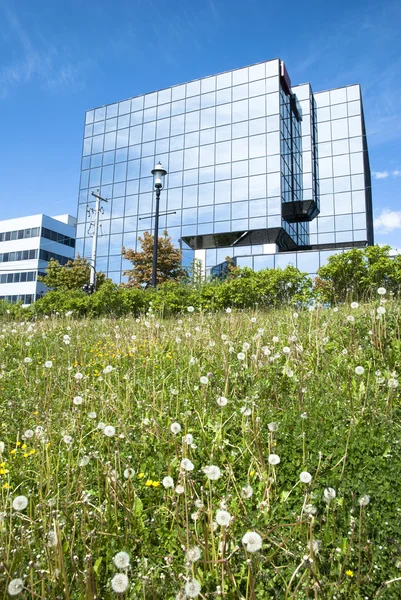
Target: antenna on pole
x: 96, y: 211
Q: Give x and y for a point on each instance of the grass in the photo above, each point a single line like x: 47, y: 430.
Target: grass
x: 89, y: 438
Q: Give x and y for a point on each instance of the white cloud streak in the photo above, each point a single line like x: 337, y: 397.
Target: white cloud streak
x: 380, y: 174
x: 388, y: 221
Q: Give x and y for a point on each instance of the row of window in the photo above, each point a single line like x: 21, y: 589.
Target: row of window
x: 24, y: 298
x: 32, y: 254
x: 186, y: 90
x: 31, y: 232
x: 19, y: 234
x: 55, y: 236
x: 20, y: 277
x: 170, y: 129
x: 224, y: 101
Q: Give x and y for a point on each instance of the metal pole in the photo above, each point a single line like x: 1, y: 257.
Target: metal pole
x: 155, y: 241
x: 92, y: 280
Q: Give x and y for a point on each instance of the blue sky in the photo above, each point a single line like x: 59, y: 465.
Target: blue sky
x: 59, y: 59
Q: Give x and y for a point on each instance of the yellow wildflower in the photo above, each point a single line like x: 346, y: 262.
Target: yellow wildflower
x: 141, y: 475
x: 4, y: 471
x: 349, y: 573
x: 149, y: 482
x: 13, y: 451
x: 6, y: 486
x: 155, y: 483
x: 24, y: 446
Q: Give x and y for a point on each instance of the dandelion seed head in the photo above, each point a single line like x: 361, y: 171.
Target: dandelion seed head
x: 175, y: 428
x: 121, y: 560
x: 120, y: 583
x: 272, y: 427
x: 274, y: 459
x: 223, y: 518
x: 192, y: 588
x: 222, y: 401
x: 359, y: 370
x: 78, y: 400
x: 252, y: 541
x: 381, y: 291
x: 109, y: 431
x: 247, y: 492
x: 364, y: 500
x: 204, y: 380
x: 329, y: 494
x: 15, y: 587
x: 187, y: 465
x: 48, y: 364
x: 20, y: 503
x: 84, y: 461
x: 168, y: 482
x: 193, y: 554
x: 212, y: 472
x: 305, y: 477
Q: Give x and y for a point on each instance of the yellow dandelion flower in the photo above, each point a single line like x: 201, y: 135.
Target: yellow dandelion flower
x: 33, y: 449
x: 6, y: 486
x: 252, y: 473
x: 13, y: 451
x: 155, y: 483
x: 349, y: 573
x: 141, y: 475
x: 4, y: 471
x: 24, y: 446
x: 149, y: 482
x: 36, y: 412
x: 18, y: 443
x: 26, y: 454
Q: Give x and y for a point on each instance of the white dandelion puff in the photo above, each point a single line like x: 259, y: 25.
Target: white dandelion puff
x: 84, y: 461
x: 354, y: 304
x: 109, y: 431
x: 222, y: 401
x: 381, y: 310
x: 168, y: 482
x: 247, y: 492
x: 204, y: 380
x: 78, y: 376
x: 193, y: 554
x: 51, y: 538
x: 305, y: 477
x: 272, y: 427
x: 15, y: 587
x: 274, y: 459
x: 381, y: 291
x: 223, y: 518
x: 48, y: 364
x: 129, y: 473
x: 78, y: 400
x: 329, y: 494
x: 120, y: 583
x: 252, y: 541
x: 188, y: 439
x: 121, y: 560
x: 190, y: 309
x: 175, y: 428
x: 359, y: 370
x: 187, y: 465
x: 28, y: 434
x: 212, y: 472
x: 364, y: 500
x: 241, y: 356
x: 192, y: 588
x: 20, y: 503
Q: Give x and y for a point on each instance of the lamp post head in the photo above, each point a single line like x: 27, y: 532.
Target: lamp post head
x: 159, y: 174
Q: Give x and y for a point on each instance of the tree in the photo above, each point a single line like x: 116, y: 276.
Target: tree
x: 168, y: 261
x: 71, y: 276
x: 357, y: 273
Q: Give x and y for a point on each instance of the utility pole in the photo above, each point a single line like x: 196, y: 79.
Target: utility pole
x: 97, y: 210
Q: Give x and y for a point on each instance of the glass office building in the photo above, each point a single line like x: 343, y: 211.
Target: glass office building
x: 260, y: 170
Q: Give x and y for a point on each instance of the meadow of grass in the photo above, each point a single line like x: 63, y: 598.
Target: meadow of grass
x: 238, y: 455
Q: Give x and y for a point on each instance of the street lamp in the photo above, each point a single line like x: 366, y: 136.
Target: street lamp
x: 158, y: 182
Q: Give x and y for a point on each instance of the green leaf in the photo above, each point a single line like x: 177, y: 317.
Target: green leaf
x: 97, y: 564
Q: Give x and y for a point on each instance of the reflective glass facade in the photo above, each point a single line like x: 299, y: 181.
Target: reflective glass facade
x: 252, y: 162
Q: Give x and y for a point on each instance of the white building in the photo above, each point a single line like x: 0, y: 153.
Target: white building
x: 26, y: 246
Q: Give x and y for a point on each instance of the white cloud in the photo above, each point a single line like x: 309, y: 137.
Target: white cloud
x: 397, y: 173
x: 380, y: 174
x: 387, y: 221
